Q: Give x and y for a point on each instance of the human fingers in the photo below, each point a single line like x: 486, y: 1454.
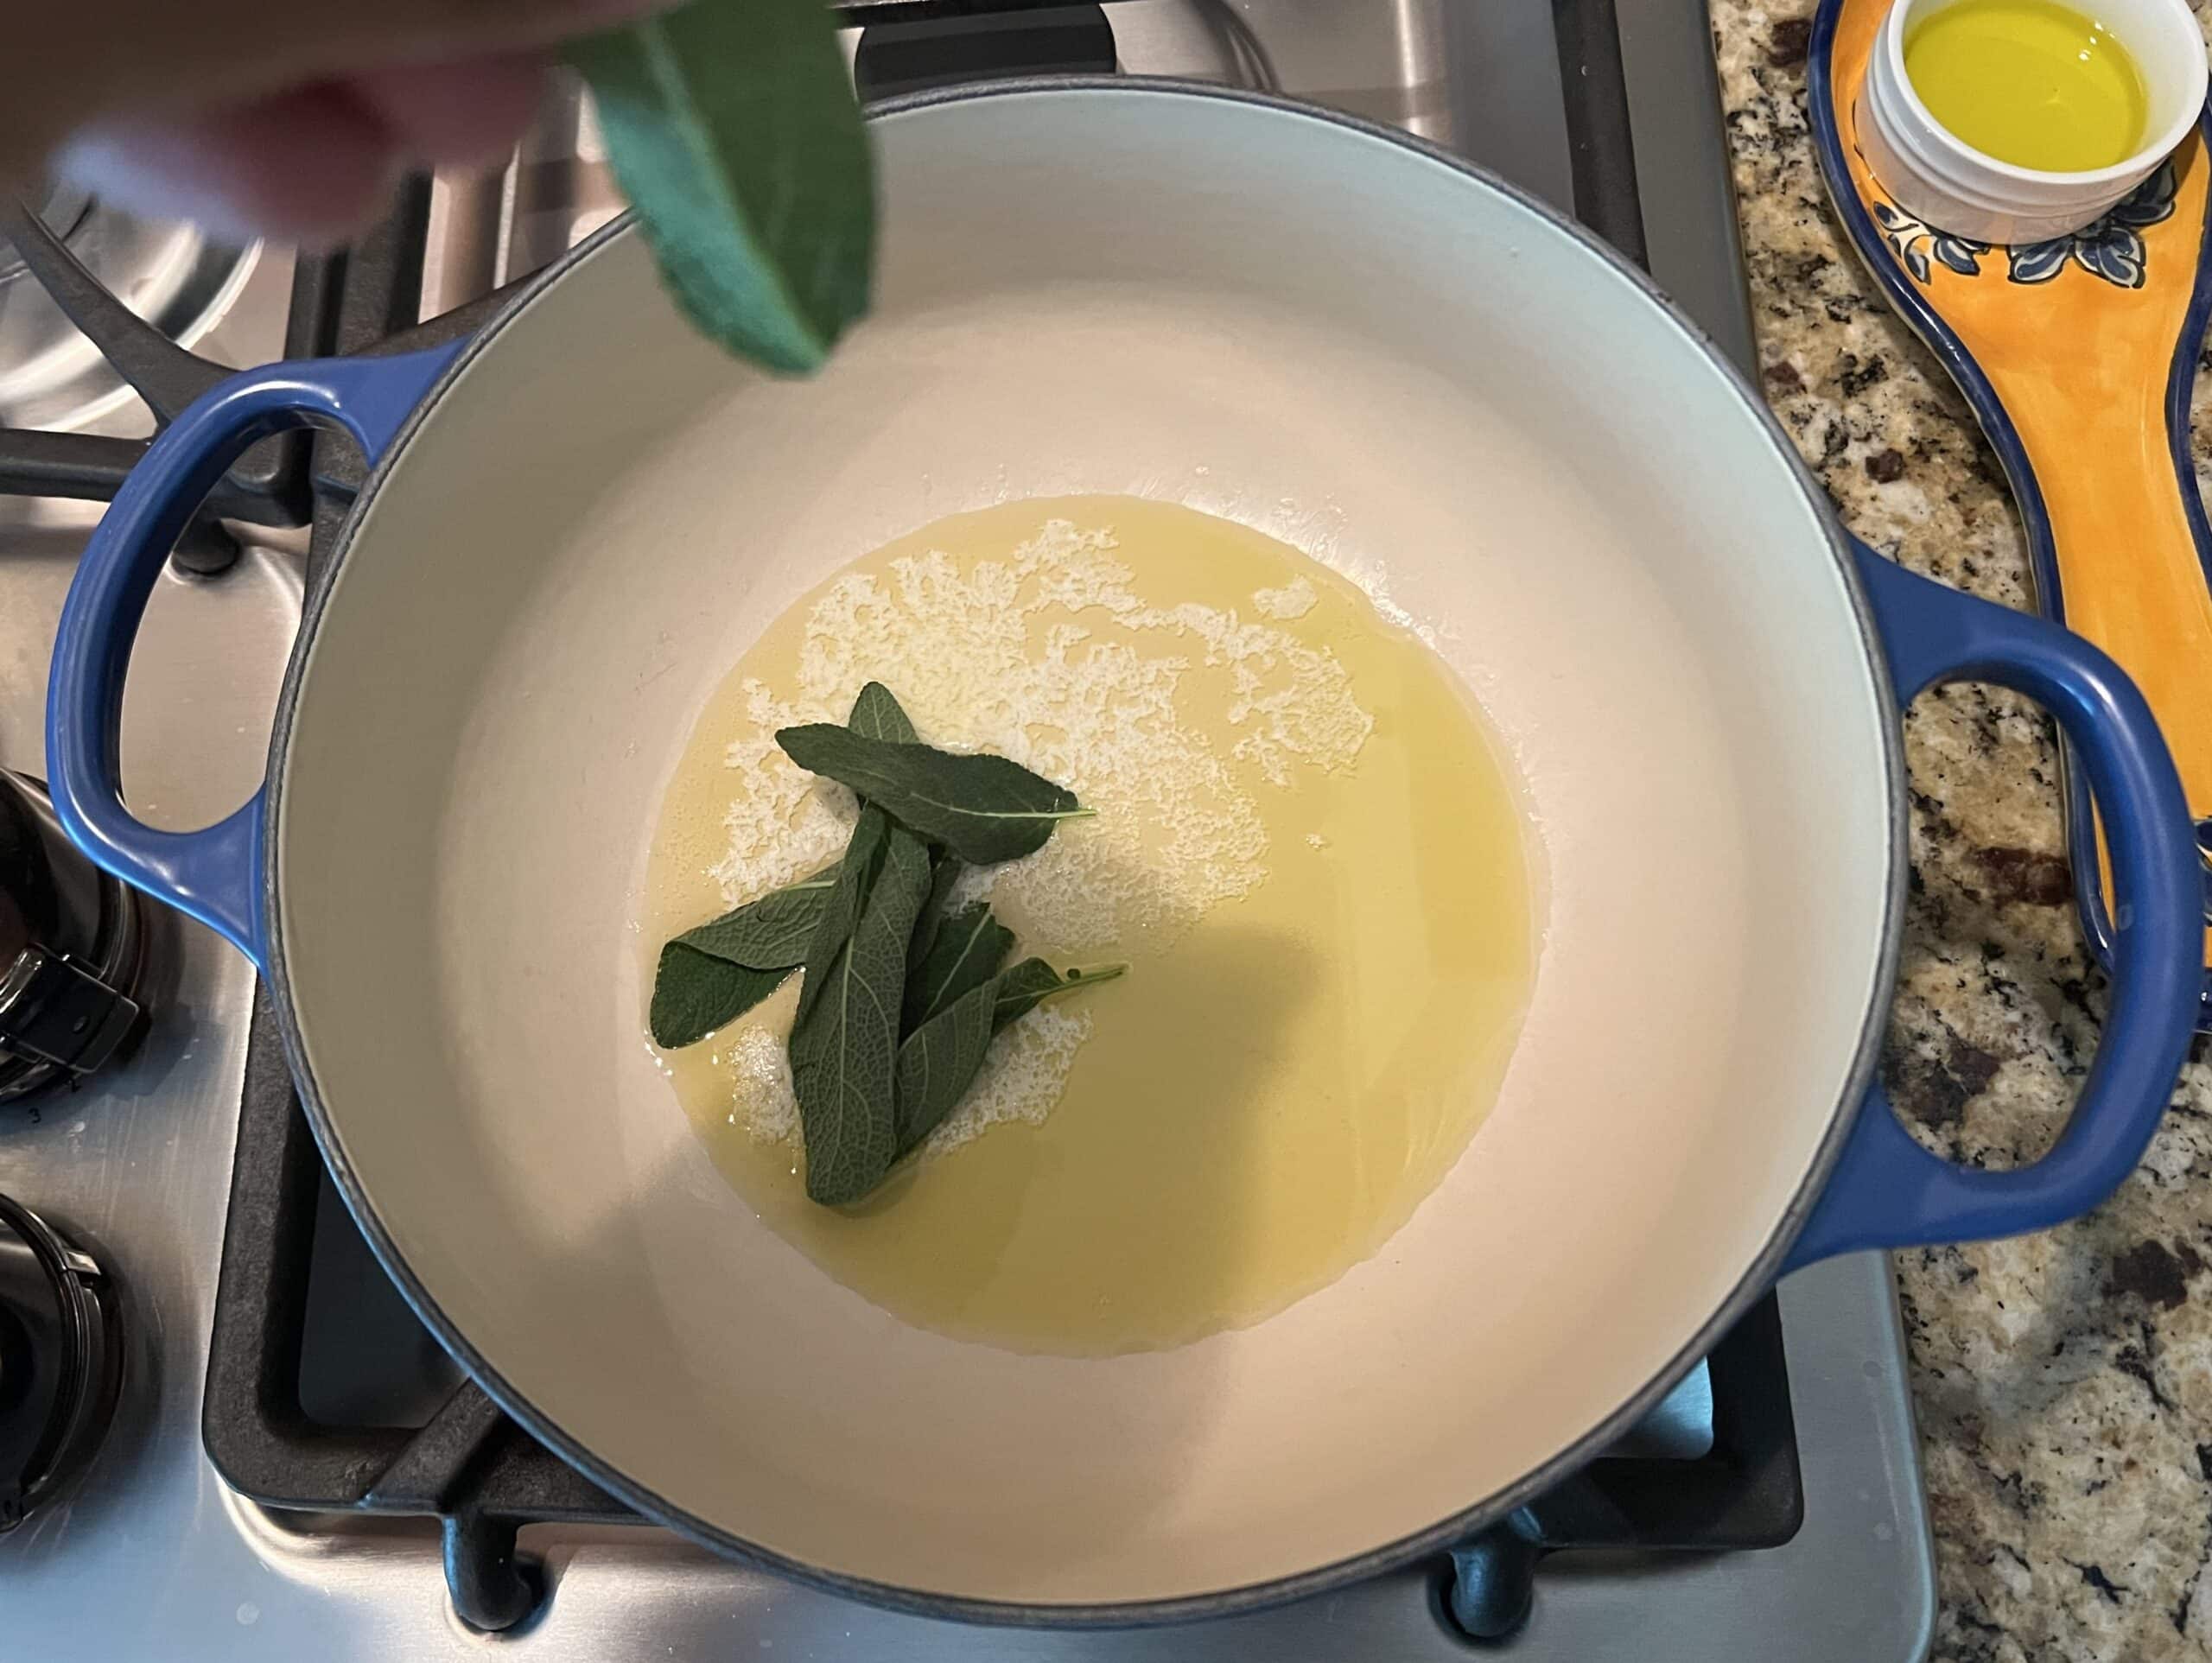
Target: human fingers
x: 455, y: 113
x: 131, y: 61
x: 310, y: 164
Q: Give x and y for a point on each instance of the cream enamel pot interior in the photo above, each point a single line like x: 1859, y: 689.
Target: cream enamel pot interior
x: 578, y: 520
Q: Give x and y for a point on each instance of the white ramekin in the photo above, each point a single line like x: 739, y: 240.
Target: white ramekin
x: 1941, y: 180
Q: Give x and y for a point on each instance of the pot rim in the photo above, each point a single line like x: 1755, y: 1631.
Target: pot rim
x: 1757, y: 1278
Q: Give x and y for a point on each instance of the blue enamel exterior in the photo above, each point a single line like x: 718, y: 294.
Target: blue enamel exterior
x: 213, y: 875
x: 1886, y: 1190
x: 2004, y: 438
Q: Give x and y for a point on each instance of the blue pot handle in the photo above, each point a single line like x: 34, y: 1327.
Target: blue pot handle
x: 213, y: 875
x: 1886, y: 1190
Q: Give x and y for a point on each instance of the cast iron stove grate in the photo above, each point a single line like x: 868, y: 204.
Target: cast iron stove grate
x: 1715, y: 1469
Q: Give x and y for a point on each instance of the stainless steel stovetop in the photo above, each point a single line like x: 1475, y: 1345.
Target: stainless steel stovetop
x: 154, y: 1557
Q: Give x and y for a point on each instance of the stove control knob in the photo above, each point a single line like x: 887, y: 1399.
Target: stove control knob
x: 61, y: 1362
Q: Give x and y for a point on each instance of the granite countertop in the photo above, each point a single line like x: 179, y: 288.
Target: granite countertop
x: 2064, y: 1381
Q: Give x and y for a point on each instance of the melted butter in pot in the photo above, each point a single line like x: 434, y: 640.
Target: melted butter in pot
x: 1308, y: 849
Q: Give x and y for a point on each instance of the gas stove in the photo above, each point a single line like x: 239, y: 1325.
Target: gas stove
x: 222, y: 1433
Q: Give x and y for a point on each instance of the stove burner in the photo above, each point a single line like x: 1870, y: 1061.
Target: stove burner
x: 72, y: 947
x: 910, y: 46
x: 892, y: 58
x: 1715, y: 1468
x: 53, y: 378
x: 63, y: 212
x: 61, y: 1362
x: 110, y: 311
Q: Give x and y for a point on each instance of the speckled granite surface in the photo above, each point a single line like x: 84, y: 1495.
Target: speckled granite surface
x: 2064, y: 1382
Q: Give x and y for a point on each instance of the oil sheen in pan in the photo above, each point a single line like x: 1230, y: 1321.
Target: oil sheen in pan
x: 1308, y: 848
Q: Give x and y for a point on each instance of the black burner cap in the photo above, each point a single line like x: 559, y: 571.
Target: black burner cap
x: 61, y: 1362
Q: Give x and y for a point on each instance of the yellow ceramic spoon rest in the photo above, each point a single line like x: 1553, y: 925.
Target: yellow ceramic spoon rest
x: 2078, y: 355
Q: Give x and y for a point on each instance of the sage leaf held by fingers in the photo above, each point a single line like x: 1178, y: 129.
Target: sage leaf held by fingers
x: 984, y: 808
x: 733, y: 129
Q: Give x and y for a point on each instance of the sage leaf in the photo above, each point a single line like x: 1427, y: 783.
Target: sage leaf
x: 942, y: 877
x: 733, y: 129
x: 840, y: 911
x: 845, y: 1052
x: 877, y: 715
x: 771, y: 933
x: 1021, y: 988
x: 695, y: 994
x: 939, y: 1061
x: 984, y: 808
x: 969, y: 949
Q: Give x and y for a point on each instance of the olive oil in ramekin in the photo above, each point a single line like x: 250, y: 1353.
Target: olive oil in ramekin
x: 2030, y: 82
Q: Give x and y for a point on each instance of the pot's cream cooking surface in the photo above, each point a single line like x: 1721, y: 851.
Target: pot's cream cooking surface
x: 1308, y: 848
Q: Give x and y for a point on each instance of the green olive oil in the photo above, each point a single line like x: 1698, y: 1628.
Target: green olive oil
x: 2030, y: 82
